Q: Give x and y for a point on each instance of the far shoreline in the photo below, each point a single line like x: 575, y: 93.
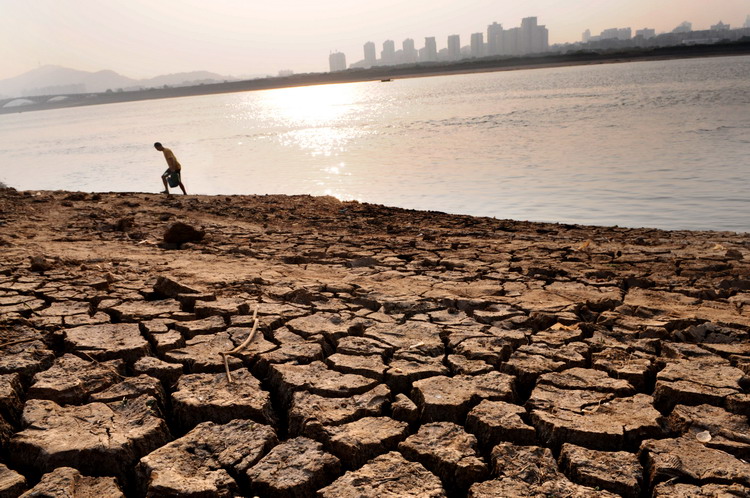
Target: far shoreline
x: 386, y: 73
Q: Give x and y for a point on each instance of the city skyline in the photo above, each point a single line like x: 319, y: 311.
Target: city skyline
x: 143, y: 39
x: 528, y: 38
x: 532, y: 38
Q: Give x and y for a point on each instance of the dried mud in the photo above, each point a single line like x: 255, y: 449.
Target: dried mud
x: 398, y: 353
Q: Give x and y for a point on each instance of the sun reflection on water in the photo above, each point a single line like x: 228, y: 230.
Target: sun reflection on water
x: 320, y: 105
x: 322, y: 123
x: 320, y: 120
x: 337, y: 169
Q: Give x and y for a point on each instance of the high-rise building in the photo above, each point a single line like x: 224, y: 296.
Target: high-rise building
x: 747, y: 22
x: 494, y: 38
x: 646, y: 33
x: 337, y: 61
x: 616, y: 34
x: 430, y: 49
x: 477, y: 44
x: 371, y: 58
x: 510, y: 41
x: 454, y: 47
x: 409, y: 53
x: 586, y: 37
x: 528, y: 30
x: 388, y: 55
x: 533, y: 39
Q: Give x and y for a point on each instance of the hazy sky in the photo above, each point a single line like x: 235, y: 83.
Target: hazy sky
x: 146, y: 38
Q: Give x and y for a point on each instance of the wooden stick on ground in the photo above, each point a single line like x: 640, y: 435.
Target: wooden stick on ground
x: 19, y: 341
x: 103, y: 365
x: 242, y: 346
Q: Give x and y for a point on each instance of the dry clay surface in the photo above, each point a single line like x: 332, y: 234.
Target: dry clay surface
x: 292, y: 346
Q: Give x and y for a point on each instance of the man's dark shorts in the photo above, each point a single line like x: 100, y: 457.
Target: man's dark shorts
x: 173, y: 178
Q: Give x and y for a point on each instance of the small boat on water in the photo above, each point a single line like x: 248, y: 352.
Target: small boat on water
x: 386, y: 80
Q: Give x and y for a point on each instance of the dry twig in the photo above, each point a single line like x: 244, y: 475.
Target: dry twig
x: 242, y: 346
x: 111, y: 369
x: 19, y: 341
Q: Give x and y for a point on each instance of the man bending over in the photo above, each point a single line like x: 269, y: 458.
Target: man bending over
x: 173, y: 173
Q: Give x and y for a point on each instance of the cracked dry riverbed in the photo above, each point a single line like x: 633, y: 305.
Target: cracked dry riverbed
x: 399, y: 353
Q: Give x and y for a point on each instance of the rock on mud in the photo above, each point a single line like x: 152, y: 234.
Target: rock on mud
x: 96, y: 438
x: 368, y: 366
x: 139, y: 311
x: 25, y: 358
x: 107, y: 341
x: 527, y: 363
x: 71, y: 380
x: 211, y: 397
x: 407, y: 367
x: 633, y: 366
x: 688, y: 459
x: 317, y: 379
x: 11, y: 393
x: 387, y: 476
x: 404, y: 409
x: 295, y: 468
x: 169, y: 287
x: 414, y: 336
x: 451, y: 398
x: 584, y: 378
x: 557, y: 487
x: 310, y: 413
x: 495, y: 421
x: 202, y: 462
x: 529, y: 471
x: 729, y: 432
x: 616, y: 471
x: 532, y: 464
x: 12, y: 483
x: 676, y: 490
x: 131, y: 388
x: 168, y: 373
x: 330, y: 325
x: 180, y: 233
x: 357, y: 442
x: 40, y: 263
x: 591, y: 419
x: 67, y: 481
x: 686, y: 383
x: 209, y: 325
x: 202, y: 353
x: 448, y: 451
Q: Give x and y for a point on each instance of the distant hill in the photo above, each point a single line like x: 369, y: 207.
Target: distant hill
x: 52, y: 80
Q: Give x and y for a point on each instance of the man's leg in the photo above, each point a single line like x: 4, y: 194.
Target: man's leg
x: 164, y: 180
x: 178, y: 174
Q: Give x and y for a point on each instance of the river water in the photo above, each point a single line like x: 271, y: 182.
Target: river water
x: 662, y: 144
